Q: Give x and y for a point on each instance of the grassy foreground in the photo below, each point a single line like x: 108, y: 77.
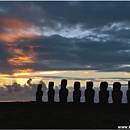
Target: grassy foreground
x: 45, y: 115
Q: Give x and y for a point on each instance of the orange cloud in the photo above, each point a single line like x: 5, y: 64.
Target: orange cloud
x: 26, y: 70
x: 19, y: 56
x: 19, y: 60
x: 15, y: 36
x: 17, y: 30
x: 14, y: 23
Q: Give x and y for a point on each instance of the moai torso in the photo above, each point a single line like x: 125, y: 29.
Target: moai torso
x: 63, y: 92
x: 103, y: 93
x: 39, y: 93
x: 76, y: 92
x: 128, y: 93
x: 89, y: 93
x: 117, y: 93
x: 51, y: 92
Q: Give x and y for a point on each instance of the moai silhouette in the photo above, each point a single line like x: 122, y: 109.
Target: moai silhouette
x: 76, y: 92
x: 89, y: 93
x: 51, y: 92
x: 103, y: 93
x: 128, y: 93
x: 63, y: 92
x: 39, y: 93
x: 117, y: 93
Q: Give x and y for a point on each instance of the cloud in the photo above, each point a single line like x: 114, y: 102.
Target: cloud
x: 36, y: 35
x: 27, y: 92
x: 75, y: 31
x: 17, y: 29
x: 42, y: 36
x: 15, y: 91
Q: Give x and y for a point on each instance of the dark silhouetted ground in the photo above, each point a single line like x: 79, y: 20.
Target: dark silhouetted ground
x: 44, y: 115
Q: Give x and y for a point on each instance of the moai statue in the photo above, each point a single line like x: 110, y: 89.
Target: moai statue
x: 128, y: 93
x: 63, y: 92
x: 76, y: 92
x: 39, y: 93
x: 89, y: 93
x: 103, y: 93
x: 51, y: 92
x: 117, y: 93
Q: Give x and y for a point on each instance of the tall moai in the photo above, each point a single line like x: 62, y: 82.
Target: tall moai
x: 51, y: 92
x: 39, y: 93
x: 89, y: 93
x: 117, y: 93
x: 76, y: 92
x: 103, y: 93
x: 128, y: 93
x: 63, y: 92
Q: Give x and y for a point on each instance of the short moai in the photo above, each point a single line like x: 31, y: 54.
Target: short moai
x: 51, y: 92
x: 39, y: 93
x: 89, y: 93
x: 117, y: 93
x: 63, y: 92
x: 128, y: 93
x: 103, y: 93
x: 76, y: 92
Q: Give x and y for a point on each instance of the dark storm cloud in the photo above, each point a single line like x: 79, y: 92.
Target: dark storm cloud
x: 73, y: 35
x: 59, y: 53
x: 93, y: 14
x: 27, y: 11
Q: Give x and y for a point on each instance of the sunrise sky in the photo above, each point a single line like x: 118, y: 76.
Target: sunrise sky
x: 49, y: 41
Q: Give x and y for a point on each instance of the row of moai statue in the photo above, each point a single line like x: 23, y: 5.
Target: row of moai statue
x: 89, y: 93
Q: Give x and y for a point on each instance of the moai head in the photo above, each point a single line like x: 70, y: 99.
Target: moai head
x: 89, y: 85
x: 39, y: 87
x: 103, y: 86
x: 63, y: 83
x: 77, y: 85
x: 129, y: 84
x: 116, y: 86
x: 51, y: 85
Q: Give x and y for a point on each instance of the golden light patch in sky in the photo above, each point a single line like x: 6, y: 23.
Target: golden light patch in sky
x: 38, y: 74
x: 18, y: 74
x: 88, y: 71
x: 21, y: 76
x: 4, y: 75
x: 19, y: 56
x: 51, y: 72
x: 18, y: 60
x: 126, y: 73
x: 26, y: 70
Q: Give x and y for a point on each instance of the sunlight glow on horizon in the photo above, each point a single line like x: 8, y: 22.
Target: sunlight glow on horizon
x: 22, y: 76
